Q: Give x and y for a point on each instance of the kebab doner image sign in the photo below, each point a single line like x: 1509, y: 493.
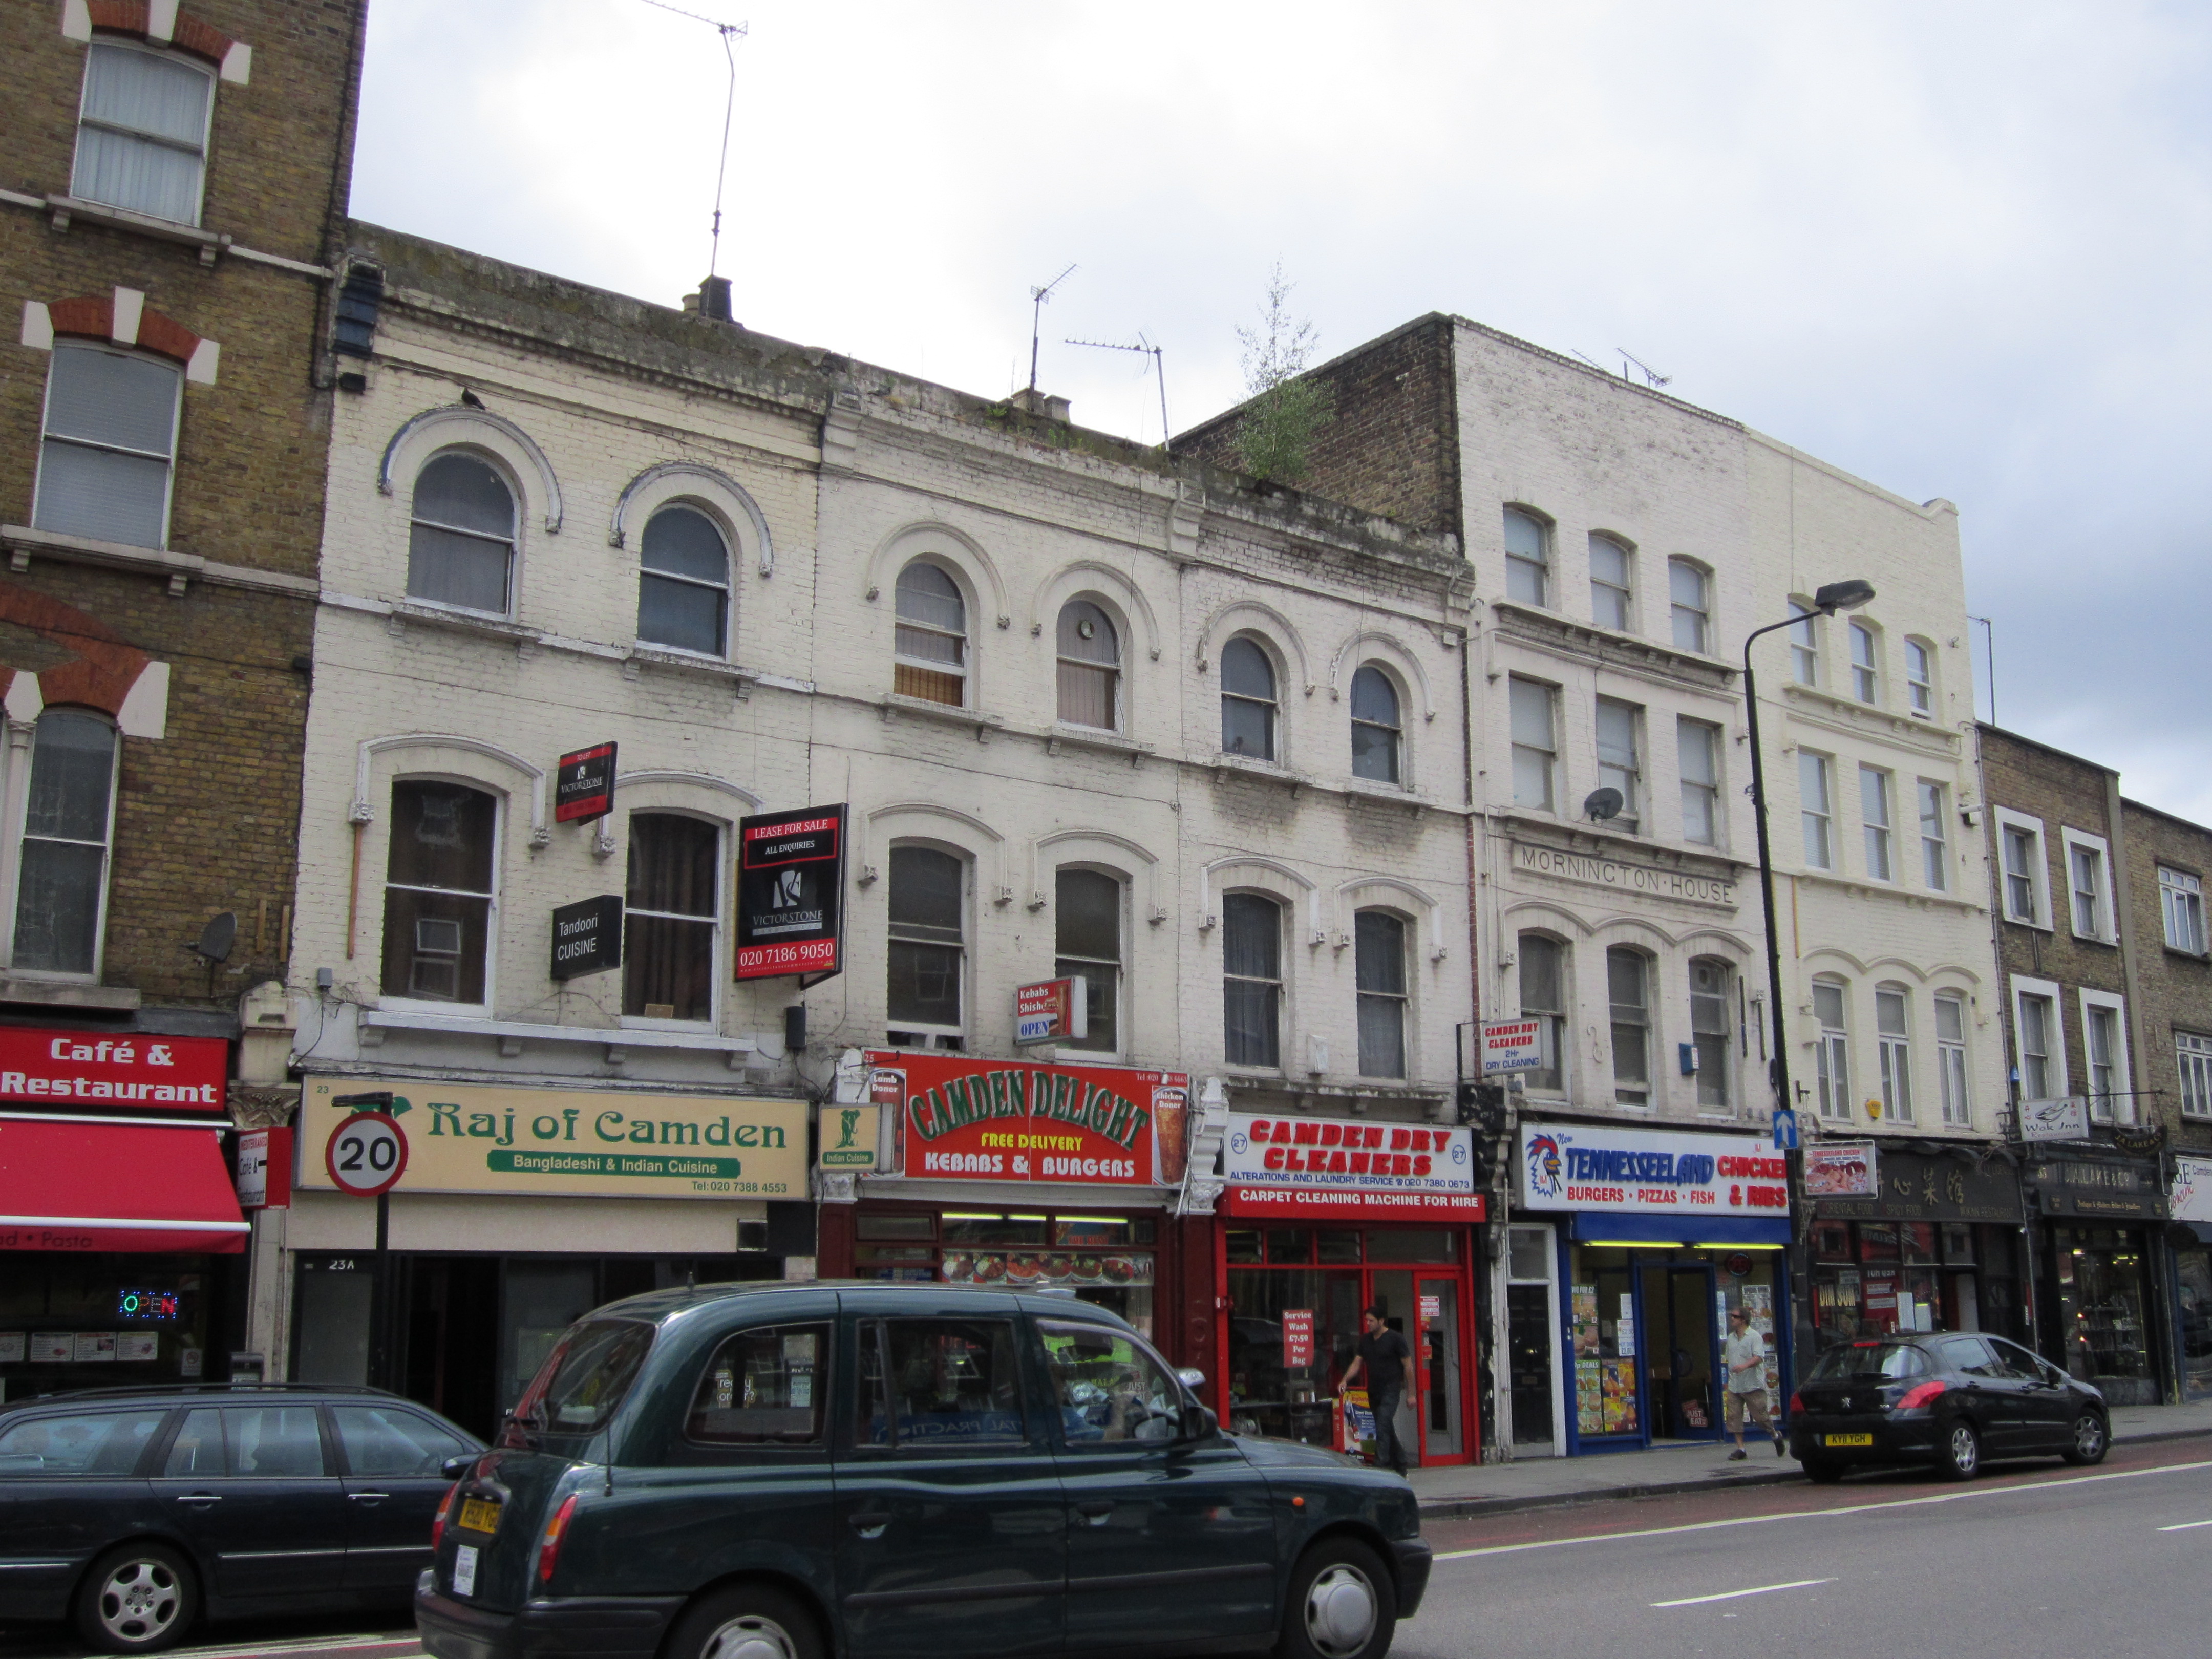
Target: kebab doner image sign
x: 791, y: 885
x: 964, y: 1119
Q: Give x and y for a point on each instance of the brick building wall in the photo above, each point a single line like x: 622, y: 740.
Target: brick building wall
x: 2173, y: 984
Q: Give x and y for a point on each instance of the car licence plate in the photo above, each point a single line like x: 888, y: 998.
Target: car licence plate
x: 1829, y: 1440
x: 479, y: 1514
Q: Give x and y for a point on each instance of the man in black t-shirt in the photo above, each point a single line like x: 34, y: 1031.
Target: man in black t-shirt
x: 1382, y: 1359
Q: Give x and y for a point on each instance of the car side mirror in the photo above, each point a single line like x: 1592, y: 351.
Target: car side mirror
x: 455, y: 1468
x: 1197, y: 1423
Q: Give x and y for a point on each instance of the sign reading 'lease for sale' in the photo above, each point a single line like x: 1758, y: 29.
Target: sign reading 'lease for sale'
x: 791, y: 885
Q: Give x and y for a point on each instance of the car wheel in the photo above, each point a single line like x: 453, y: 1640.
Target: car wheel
x: 1343, y: 1604
x: 138, y: 1599
x: 1822, y: 1471
x: 1962, y: 1452
x: 2089, y: 1440
x: 746, y: 1621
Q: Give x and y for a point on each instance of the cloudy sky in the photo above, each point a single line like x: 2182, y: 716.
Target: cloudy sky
x: 1959, y: 250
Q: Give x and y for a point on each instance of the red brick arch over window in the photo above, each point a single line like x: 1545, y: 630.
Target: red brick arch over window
x: 102, y: 668
x: 94, y: 319
x: 191, y: 34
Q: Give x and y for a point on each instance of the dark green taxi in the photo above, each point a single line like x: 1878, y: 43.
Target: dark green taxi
x: 900, y: 1472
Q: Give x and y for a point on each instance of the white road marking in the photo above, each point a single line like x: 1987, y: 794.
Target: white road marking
x: 1730, y: 1596
x: 2185, y: 1526
x: 1814, y: 1515
x: 308, y: 1645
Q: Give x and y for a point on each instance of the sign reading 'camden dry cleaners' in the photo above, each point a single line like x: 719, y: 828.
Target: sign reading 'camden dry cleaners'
x: 1598, y: 870
x: 463, y: 1138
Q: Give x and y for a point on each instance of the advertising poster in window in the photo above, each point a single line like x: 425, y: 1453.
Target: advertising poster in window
x: 791, y: 886
x: 2190, y: 1195
x: 1841, y: 1170
x: 962, y: 1118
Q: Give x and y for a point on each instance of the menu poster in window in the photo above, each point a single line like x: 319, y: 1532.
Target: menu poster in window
x: 1298, y: 1338
x: 53, y: 1347
x: 138, y: 1346
x: 1585, y: 1319
x: 968, y: 1118
x: 791, y: 886
x: 1625, y: 1332
x: 95, y: 1347
x: 1590, y: 1398
x: 11, y: 1347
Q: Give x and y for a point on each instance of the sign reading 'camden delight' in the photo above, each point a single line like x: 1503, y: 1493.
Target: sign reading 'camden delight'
x: 463, y: 1138
x: 968, y: 1118
x: 1623, y: 877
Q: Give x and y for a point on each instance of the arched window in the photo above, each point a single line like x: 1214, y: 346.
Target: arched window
x: 1248, y: 700
x: 1252, y: 979
x: 1831, y: 1054
x: 1892, y: 1024
x: 438, y: 885
x: 1543, y: 999
x: 683, y: 595
x: 1692, y: 609
x: 1712, y: 983
x: 61, y: 891
x: 461, y: 549
x: 1379, y: 974
x: 930, y: 646
x: 1613, y: 596
x: 1090, y: 667
x: 110, y: 435
x: 1628, y: 988
x: 142, y: 131
x: 927, y: 955
x: 673, y: 912
x: 1374, y: 725
x: 1087, y: 941
x: 1527, y: 559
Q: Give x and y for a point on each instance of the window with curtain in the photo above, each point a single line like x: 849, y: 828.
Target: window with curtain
x: 1248, y: 700
x: 927, y: 954
x: 1866, y: 680
x: 1374, y: 725
x: 930, y: 644
x: 1252, y: 979
x: 1804, y: 644
x: 1815, y: 809
x: 1874, y: 819
x: 1618, y: 764
x: 1543, y: 999
x: 1893, y: 1033
x: 1090, y: 667
x: 1628, y: 980
x: 460, y: 548
x: 1713, y: 984
x: 142, y: 133
x: 109, y: 443
x: 1698, y: 755
x: 1686, y: 591
x: 438, y: 891
x: 1527, y: 559
x: 1087, y: 941
x: 1951, y: 1056
x: 1535, y: 745
x: 1935, y: 859
x: 1611, y: 597
x: 1379, y: 972
x: 672, y: 913
x: 683, y: 590
x: 2038, y: 1028
x: 1920, y: 676
x: 69, y: 825
x: 1831, y: 1052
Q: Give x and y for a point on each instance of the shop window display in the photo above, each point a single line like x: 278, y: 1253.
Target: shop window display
x: 2100, y: 1309
x: 2193, y: 1312
x: 1105, y: 1260
x: 93, y: 1321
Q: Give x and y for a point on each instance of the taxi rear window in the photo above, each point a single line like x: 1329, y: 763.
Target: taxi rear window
x: 585, y: 1378
x: 763, y: 1387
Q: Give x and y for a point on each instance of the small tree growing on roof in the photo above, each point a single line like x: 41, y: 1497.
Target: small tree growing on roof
x: 1274, y: 439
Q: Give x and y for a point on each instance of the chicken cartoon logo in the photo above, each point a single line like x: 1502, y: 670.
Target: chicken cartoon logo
x: 1544, y: 1166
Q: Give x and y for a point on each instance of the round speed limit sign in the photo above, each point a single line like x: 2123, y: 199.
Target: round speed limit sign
x: 367, y: 1154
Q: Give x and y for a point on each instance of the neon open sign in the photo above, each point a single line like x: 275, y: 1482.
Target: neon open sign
x: 145, y: 1305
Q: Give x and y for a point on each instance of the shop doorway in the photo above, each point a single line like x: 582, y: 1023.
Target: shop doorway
x: 1682, y: 1352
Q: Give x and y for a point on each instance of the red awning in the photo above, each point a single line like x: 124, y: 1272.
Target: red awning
x: 134, y: 1187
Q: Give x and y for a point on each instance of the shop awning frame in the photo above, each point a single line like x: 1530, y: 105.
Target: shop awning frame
x: 123, y: 1185
x: 1619, y: 1228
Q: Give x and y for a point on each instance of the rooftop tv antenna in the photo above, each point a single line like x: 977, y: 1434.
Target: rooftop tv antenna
x: 1591, y: 360
x: 1142, y: 348
x: 730, y: 33
x: 1651, y: 376
x: 1037, y: 298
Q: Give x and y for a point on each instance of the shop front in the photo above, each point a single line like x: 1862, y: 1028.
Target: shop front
x: 1029, y: 1174
x: 1319, y: 1220
x: 2104, y: 1215
x: 2189, y: 1197
x: 515, y: 1212
x: 1915, y: 1240
x: 121, y: 1239
x: 1636, y: 1244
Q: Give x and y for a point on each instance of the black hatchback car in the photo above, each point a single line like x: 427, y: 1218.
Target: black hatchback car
x: 901, y: 1472
x: 1957, y: 1401
x: 133, y: 1511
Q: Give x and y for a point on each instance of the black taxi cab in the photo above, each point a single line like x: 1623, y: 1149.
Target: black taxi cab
x: 897, y: 1471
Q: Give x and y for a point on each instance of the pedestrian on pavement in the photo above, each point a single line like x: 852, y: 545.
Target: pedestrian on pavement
x: 1744, y: 1353
x: 1382, y: 1359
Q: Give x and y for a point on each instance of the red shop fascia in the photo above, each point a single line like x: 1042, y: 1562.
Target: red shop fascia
x: 1034, y: 1175
x: 1318, y: 1219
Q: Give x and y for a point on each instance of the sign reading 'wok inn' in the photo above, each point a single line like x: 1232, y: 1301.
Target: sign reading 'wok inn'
x: 1649, y: 880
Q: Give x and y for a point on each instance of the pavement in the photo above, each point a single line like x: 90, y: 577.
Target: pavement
x: 1540, y: 1481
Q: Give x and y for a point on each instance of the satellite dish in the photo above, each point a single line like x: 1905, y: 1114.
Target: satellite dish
x: 1603, y: 804
x: 218, y: 936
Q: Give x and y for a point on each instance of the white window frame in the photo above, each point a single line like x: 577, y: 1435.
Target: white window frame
x: 2172, y: 893
x: 207, y: 125
x: 1611, y: 773
x: 1551, y: 696
x: 2060, y: 1077
x: 176, y: 429
x: 1879, y: 837
x: 1832, y: 1056
x: 1710, y: 791
x: 962, y: 670
x: 1804, y: 636
x: 2193, y: 1055
x: 1544, y: 565
x: 723, y: 872
x: 1894, y: 1050
x: 18, y: 787
x: 1935, y: 849
x: 1866, y: 674
x: 1554, y: 1026
x: 2103, y: 932
x: 1920, y: 689
x: 1625, y: 587
x: 1117, y: 971
x: 928, y: 1036
x: 727, y: 588
x: 492, y: 908
x: 2039, y: 871
x: 2122, y: 1110
x: 1953, y: 1065
x: 1627, y: 1091
x: 1826, y: 813
x: 518, y: 502
x: 1703, y: 611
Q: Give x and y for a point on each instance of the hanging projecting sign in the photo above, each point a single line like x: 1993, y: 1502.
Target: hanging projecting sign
x: 584, y: 787
x: 1597, y: 1166
x: 960, y: 1118
x: 1051, y: 1010
x: 134, y: 1070
x: 1512, y: 1045
x: 791, y: 885
x: 2065, y: 1119
x: 587, y: 937
x: 264, y: 1169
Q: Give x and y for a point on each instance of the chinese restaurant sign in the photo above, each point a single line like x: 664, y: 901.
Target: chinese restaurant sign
x: 964, y: 1119
x: 1921, y: 1187
x: 1596, y: 1167
x: 1326, y: 1167
x: 467, y: 1138
x: 791, y: 885
x: 184, y: 1074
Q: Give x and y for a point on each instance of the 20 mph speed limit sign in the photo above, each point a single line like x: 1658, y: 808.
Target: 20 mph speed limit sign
x: 367, y: 1154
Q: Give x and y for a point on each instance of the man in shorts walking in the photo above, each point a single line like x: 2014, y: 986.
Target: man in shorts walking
x: 1744, y: 1353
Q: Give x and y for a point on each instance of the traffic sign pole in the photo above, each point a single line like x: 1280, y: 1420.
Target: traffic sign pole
x: 366, y: 1155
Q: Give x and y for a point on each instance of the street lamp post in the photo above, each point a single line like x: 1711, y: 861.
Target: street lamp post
x: 1847, y: 595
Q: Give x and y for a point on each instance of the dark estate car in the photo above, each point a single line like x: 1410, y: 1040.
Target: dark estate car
x: 900, y: 1472
x: 1955, y: 1399
x: 134, y: 1510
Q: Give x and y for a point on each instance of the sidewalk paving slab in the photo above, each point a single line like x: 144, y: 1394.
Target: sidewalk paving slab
x: 1542, y: 1482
